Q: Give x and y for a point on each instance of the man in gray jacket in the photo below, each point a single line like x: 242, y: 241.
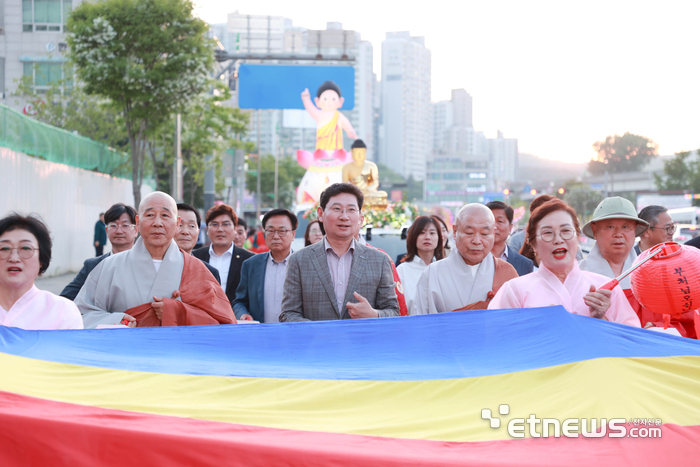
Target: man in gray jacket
x: 338, y: 278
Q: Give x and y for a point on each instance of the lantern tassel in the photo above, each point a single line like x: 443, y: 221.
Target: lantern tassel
x: 667, y: 321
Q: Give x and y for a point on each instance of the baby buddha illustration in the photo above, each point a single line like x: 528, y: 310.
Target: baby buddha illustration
x: 325, y: 165
x: 364, y: 175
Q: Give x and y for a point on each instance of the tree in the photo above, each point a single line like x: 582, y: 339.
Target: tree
x: 290, y: 174
x: 582, y: 198
x: 625, y: 153
x: 76, y: 111
x: 148, y: 57
x: 209, y: 127
x: 682, y: 173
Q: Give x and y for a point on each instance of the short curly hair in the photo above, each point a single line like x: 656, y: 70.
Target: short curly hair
x: 36, y: 227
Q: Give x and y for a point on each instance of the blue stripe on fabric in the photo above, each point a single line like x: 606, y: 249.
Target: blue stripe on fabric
x: 444, y: 346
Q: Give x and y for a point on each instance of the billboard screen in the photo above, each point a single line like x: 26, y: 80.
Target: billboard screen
x: 280, y: 86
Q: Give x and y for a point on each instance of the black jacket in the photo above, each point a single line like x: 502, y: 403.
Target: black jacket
x: 234, y: 272
x: 521, y: 264
x: 72, y: 289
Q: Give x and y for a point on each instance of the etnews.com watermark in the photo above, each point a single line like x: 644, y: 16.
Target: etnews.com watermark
x: 574, y: 427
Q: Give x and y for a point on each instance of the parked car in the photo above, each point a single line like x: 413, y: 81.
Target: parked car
x: 685, y: 232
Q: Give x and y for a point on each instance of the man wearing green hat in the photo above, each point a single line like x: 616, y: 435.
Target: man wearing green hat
x: 614, y: 227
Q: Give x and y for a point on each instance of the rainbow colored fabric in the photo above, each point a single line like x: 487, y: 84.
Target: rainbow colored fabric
x: 395, y: 391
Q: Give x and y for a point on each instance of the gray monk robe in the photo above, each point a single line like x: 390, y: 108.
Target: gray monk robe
x: 126, y: 280
x: 451, y: 284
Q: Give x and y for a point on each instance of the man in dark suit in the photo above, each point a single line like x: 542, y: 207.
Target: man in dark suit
x: 188, y: 233
x: 504, y: 221
x: 121, y: 231
x: 100, y: 237
x: 222, y: 254
x: 259, y: 294
x: 338, y: 278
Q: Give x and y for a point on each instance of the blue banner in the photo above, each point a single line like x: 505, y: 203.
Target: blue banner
x: 280, y: 86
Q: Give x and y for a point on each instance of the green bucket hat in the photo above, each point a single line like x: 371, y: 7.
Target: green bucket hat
x: 616, y: 208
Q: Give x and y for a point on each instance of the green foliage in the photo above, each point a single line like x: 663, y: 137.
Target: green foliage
x: 411, y: 189
x: 682, y: 173
x: 582, y: 198
x: 209, y: 127
x: 76, y: 111
x: 148, y: 57
x: 625, y: 153
x: 290, y: 174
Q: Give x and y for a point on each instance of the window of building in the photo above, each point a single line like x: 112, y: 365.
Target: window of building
x: 43, y: 74
x: 45, y: 15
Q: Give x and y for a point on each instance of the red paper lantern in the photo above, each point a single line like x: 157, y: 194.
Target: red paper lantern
x: 669, y: 283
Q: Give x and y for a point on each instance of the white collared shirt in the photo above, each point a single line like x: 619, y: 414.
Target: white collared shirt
x: 221, y: 263
x: 504, y: 255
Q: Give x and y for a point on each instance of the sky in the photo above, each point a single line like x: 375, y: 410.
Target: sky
x: 556, y: 75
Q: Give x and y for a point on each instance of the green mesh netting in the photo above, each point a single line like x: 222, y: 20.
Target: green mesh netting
x: 24, y: 134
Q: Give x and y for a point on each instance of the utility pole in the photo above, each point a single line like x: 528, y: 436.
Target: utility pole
x: 277, y: 172
x: 178, y: 184
x: 257, y: 198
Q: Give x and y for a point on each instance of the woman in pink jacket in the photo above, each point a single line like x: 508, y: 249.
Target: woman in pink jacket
x: 553, y: 231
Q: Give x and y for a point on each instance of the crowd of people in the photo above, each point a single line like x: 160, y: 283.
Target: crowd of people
x: 156, y: 276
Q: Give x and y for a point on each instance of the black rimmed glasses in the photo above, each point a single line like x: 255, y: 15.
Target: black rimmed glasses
x: 281, y: 233
x: 670, y: 229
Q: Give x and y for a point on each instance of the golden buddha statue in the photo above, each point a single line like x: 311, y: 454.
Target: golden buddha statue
x: 364, y: 175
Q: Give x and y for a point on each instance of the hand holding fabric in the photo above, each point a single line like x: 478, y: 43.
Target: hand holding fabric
x: 598, y: 301
x: 131, y: 320
x: 157, y: 305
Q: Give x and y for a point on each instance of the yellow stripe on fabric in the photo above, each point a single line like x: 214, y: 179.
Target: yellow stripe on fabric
x: 450, y: 410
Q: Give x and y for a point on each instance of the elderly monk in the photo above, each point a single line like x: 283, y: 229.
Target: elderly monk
x: 154, y: 283
x: 467, y: 280
x: 553, y: 232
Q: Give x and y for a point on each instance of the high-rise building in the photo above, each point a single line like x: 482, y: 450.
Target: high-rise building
x: 503, y: 153
x: 33, y: 45
x: 406, y: 128
x: 442, y: 119
x: 452, y: 125
x: 461, y: 107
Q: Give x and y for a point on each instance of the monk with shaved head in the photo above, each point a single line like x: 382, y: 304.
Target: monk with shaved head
x: 154, y: 283
x: 470, y: 277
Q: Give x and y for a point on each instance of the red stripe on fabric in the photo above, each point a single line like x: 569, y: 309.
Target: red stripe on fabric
x: 38, y: 432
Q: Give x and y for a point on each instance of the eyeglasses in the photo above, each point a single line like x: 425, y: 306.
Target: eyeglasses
x: 565, y: 234
x: 24, y: 252
x: 669, y: 228
x: 223, y: 225
x: 281, y: 233
x: 339, y: 210
x: 114, y: 226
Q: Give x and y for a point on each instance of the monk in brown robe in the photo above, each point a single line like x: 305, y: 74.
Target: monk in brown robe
x: 154, y: 283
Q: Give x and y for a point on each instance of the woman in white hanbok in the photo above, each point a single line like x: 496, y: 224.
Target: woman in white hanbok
x: 424, y: 244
